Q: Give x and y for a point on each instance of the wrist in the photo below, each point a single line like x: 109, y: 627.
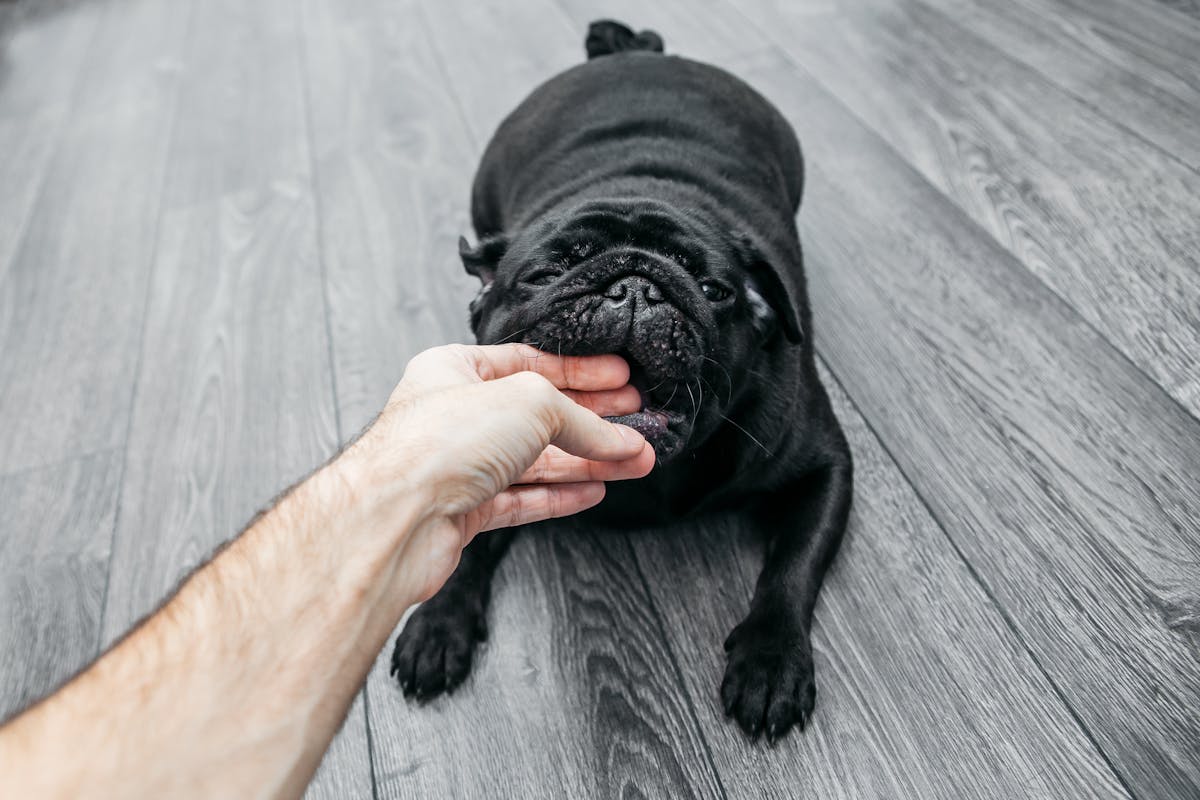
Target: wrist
x: 384, y: 497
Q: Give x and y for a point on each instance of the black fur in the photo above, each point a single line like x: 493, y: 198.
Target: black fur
x: 645, y: 204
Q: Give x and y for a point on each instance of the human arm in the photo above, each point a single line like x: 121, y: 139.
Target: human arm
x: 235, y: 687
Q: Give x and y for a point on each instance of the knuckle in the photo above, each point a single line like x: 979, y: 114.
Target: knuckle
x: 516, y: 507
x: 539, y: 471
x: 570, y: 369
x: 536, y: 385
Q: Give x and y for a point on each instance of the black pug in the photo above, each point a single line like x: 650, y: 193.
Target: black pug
x: 644, y: 205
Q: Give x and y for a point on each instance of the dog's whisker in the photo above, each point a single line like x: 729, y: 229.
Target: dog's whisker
x: 674, y: 389
x: 749, y: 435
x: 713, y: 389
x: 695, y: 405
x: 728, y: 380
x: 513, y: 334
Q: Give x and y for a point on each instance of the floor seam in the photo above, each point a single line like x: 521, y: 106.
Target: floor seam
x: 1068, y: 90
x: 73, y: 104
x: 141, y: 350
x: 1193, y: 416
x: 302, y: 59
x: 652, y: 606
x: 977, y: 577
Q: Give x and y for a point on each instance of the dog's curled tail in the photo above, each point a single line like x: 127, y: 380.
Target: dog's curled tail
x: 606, y: 36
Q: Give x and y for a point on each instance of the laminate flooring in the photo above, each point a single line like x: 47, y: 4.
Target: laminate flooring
x: 225, y: 227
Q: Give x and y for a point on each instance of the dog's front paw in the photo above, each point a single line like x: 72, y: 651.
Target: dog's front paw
x: 768, y: 682
x: 433, y: 652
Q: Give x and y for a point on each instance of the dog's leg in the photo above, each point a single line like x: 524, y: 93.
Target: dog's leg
x: 768, y: 681
x: 433, y: 652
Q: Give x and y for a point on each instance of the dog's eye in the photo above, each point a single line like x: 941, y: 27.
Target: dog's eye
x: 714, y: 292
x: 542, y: 277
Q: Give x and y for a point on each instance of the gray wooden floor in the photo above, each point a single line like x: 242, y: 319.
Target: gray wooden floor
x: 225, y: 226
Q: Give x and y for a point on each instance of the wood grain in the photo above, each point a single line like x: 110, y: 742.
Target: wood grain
x: 40, y: 64
x: 54, y: 547
x: 388, y: 150
x: 1104, y: 219
x: 393, y: 165
x: 1058, y: 471
x: 1016, y: 610
x: 1189, y: 7
x: 71, y: 301
x: 573, y: 695
x: 613, y: 651
x: 1132, y: 62
x: 234, y: 399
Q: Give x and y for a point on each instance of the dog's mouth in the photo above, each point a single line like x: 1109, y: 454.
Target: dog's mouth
x: 663, y: 418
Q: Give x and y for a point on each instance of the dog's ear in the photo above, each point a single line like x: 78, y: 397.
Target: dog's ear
x: 771, y: 301
x: 481, y: 260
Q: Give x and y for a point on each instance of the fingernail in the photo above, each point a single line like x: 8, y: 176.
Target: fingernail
x: 630, y: 436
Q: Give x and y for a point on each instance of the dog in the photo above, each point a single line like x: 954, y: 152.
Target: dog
x: 644, y: 205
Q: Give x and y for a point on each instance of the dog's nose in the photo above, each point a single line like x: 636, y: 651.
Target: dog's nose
x: 619, y: 291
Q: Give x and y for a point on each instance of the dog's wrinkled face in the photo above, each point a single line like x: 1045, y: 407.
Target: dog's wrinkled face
x: 682, y: 302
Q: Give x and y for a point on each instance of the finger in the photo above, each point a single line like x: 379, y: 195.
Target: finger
x: 608, y: 402
x: 557, y: 466
x: 519, y: 505
x: 582, y: 433
x: 564, y: 422
x: 589, y: 373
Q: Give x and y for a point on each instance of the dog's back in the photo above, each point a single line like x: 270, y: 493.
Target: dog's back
x: 634, y: 122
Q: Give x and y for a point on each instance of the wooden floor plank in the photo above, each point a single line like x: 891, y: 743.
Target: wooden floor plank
x: 1130, y: 61
x: 1102, y: 217
x: 234, y: 399
x: 54, y: 547
x: 71, y: 301
x: 1188, y: 7
x: 41, y: 58
x: 393, y: 167
x: 387, y: 145
x: 1057, y: 469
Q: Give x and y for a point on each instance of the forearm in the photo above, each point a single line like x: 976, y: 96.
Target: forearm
x: 237, y: 685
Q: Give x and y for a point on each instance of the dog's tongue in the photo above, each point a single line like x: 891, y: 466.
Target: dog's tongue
x: 651, y: 424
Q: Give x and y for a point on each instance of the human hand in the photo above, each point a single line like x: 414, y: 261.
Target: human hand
x: 496, y: 436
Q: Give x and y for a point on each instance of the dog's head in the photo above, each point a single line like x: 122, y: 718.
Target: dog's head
x: 686, y: 304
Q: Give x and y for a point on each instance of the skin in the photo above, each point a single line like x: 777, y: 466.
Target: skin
x: 236, y: 686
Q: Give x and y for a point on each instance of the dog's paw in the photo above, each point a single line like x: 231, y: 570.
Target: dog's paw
x: 768, y: 685
x: 433, y: 653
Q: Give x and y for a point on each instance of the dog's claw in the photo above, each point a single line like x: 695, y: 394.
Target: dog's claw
x: 768, y: 680
x: 434, y: 651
